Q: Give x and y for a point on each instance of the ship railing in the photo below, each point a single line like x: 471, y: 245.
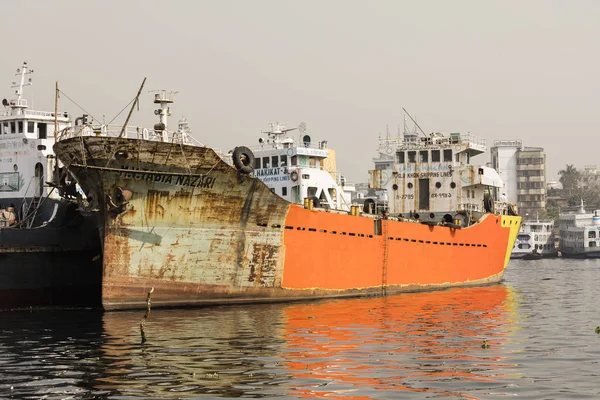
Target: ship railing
x: 130, y: 132
x: 285, y: 146
x: 468, y: 140
x: 471, y: 207
x: 18, y: 112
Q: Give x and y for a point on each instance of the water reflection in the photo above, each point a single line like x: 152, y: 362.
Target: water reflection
x: 422, y: 342
x: 417, y: 342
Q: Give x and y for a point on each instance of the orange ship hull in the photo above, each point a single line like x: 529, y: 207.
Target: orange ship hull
x: 179, y: 219
x: 407, y: 256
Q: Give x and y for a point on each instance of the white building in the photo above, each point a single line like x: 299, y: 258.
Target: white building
x: 523, y: 170
x: 504, y: 160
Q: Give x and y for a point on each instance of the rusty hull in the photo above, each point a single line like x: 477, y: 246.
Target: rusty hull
x: 178, y: 232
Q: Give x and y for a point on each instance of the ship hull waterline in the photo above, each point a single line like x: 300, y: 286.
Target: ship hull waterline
x: 179, y: 219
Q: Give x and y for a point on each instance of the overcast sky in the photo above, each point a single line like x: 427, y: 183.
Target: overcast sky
x: 499, y: 69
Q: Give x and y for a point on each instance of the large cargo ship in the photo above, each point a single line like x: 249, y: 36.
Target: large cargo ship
x: 49, y: 252
x: 177, y: 217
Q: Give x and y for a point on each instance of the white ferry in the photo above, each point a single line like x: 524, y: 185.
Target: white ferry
x: 535, y: 240
x: 296, y: 169
x: 579, y: 234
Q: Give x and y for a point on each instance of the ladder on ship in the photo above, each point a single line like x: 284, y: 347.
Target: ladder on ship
x: 30, y: 211
x: 381, y: 229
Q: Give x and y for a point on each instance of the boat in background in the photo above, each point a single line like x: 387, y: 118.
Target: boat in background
x: 535, y: 240
x: 176, y: 217
x: 49, y: 251
x: 579, y: 234
x: 296, y: 169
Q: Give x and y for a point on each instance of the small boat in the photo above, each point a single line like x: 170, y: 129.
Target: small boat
x: 49, y: 252
x: 177, y: 217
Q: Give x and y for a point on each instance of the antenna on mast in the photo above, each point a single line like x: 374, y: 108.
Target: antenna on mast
x: 21, y: 72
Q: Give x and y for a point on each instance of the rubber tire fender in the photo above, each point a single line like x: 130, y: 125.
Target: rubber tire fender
x: 367, y: 208
x: 243, y: 159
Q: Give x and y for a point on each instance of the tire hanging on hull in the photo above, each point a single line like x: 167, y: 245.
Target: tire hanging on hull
x: 243, y: 159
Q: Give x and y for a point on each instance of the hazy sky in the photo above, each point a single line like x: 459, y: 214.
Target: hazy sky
x: 498, y: 69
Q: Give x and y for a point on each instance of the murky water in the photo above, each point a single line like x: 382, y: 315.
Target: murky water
x: 539, y: 325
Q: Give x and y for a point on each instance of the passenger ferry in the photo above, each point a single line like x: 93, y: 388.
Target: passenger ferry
x: 296, y: 169
x: 535, y: 240
x: 177, y: 217
x: 579, y: 234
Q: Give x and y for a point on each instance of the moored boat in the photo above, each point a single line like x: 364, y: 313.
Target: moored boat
x: 49, y: 252
x: 579, y: 234
x: 175, y: 216
x: 297, y: 169
x: 535, y: 240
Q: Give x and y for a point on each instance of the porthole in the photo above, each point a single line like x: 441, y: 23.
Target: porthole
x: 395, y: 187
x: 16, y: 167
x: 438, y: 185
x: 410, y: 185
x: 452, y: 185
x: 431, y: 215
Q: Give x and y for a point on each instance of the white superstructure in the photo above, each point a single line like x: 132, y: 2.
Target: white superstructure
x: 579, y: 234
x: 26, y: 156
x: 431, y: 177
x: 296, y: 169
x: 535, y: 239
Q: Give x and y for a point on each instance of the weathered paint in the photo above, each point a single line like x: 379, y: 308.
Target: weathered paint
x: 179, y: 219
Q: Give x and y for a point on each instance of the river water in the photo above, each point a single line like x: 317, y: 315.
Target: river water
x: 539, y: 327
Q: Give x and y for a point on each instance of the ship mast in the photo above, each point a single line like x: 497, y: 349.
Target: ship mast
x: 163, y: 98
x: 56, y: 112
x: 20, y: 103
x: 276, y: 132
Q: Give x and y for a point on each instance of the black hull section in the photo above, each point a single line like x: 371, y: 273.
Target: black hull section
x: 533, y: 256
x: 595, y: 254
x: 59, y: 264
x: 50, y: 279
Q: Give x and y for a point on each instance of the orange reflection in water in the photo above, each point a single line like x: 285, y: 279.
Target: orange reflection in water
x: 418, y: 342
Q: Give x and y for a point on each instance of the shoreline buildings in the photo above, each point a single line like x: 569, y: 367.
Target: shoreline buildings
x: 523, y: 170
